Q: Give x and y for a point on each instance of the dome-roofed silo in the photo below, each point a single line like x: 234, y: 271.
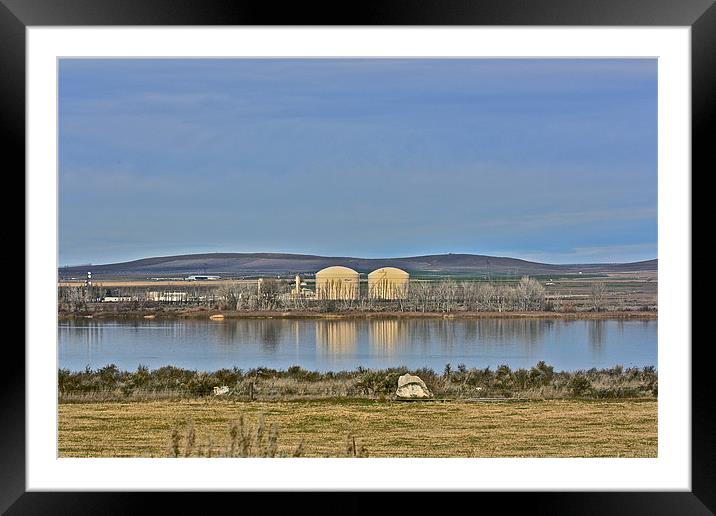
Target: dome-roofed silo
x: 388, y: 283
x: 337, y: 282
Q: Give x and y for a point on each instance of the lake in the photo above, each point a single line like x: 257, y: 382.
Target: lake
x: 320, y: 344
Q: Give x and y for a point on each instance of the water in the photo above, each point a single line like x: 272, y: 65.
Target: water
x: 346, y: 344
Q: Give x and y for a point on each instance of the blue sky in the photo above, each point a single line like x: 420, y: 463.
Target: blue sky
x: 548, y: 160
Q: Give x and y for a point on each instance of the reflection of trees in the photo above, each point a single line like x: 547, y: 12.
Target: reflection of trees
x: 269, y: 332
x: 428, y: 331
x: 527, y: 334
x: 336, y: 336
x: 391, y: 334
x: 90, y: 332
x: 620, y: 326
x: 597, y: 334
x: 529, y: 331
x: 228, y: 330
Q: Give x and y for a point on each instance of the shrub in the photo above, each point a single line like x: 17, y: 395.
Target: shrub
x: 447, y: 371
x: 200, y: 384
x: 541, y: 374
x: 504, y: 381
x: 580, y: 386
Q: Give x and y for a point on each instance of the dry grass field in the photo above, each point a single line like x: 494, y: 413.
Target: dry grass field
x: 622, y: 291
x: 554, y: 428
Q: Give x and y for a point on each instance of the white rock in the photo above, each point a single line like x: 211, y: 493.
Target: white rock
x: 218, y: 391
x: 411, y: 386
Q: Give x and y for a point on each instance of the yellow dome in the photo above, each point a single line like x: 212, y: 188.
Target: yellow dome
x: 337, y: 270
x: 337, y: 282
x: 388, y: 283
x: 389, y: 272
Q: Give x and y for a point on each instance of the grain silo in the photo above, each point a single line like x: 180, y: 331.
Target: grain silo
x: 337, y: 283
x: 388, y: 283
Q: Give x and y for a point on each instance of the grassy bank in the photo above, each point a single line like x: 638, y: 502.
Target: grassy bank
x: 329, y: 428
x: 169, y: 313
x: 538, y: 382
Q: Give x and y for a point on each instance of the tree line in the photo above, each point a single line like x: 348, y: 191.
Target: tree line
x: 446, y: 295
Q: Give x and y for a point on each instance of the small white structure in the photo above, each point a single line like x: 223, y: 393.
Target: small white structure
x: 116, y: 299
x: 299, y: 289
x: 219, y: 391
x: 167, y: 297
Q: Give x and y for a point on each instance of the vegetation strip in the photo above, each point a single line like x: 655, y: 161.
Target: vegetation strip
x: 538, y: 382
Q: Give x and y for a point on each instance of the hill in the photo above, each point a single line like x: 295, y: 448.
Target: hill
x: 248, y: 264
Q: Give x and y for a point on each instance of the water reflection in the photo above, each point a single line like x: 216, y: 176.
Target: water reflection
x: 386, y: 336
x: 228, y: 331
x: 335, y: 337
x: 347, y: 343
x: 597, y: 336
x: 269, y: 333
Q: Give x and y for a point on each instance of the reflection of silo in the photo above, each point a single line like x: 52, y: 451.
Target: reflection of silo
x: 388, y: 283
x: 386, y: 334
x: 337, y: 283
x: 336, y: 336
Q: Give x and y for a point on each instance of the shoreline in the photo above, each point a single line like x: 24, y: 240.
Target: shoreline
x: 219, y: 315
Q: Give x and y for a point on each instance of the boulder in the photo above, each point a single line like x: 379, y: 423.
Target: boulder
x: 411, y: 386
x: 219, y: 391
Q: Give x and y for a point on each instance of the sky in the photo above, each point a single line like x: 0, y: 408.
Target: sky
x: 551, y: 160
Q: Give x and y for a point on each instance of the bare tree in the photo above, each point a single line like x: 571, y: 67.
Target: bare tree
x: 505, y: 298
x: 530, y: 294
x: 72, y: 298
x: 470, y: 295
x: 228, y: 295
x: 599, y: 290
x: 486, y: 296
x: 446, y: 294
x: 419, y: 295
x: 271, y: 290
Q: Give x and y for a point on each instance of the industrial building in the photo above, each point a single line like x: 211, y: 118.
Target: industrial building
x: 388, y: 283
x: 300, y: 289
x: 167, y: 297
x: 337, y: 282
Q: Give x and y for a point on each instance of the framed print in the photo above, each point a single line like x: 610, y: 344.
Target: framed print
x: 439, y: 248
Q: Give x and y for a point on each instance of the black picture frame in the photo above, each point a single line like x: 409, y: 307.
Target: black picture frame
x: 700, y: 15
